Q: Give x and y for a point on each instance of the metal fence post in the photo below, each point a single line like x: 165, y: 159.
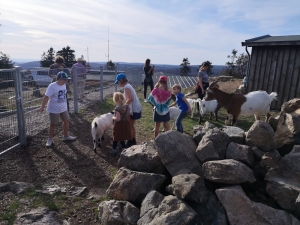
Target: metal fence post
x: 101, y: 83
x: 116, y: 85
x: 20, y: 106
x: 75, y: 95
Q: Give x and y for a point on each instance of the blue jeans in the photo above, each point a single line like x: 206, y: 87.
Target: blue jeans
x: 181, y: 116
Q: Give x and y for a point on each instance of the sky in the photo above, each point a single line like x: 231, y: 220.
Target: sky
x: 165, y: 31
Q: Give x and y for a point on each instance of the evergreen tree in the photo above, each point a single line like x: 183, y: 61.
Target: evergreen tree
x: 185, y: 67
x: 47, y: 59
x: 5, y: 62
x: 237, y: 66
x: 110, y: 65
x: 68, y: 54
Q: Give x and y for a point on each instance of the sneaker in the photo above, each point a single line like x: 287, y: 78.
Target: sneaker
x: 113, y: 152
x: 69, y: 138
x: 145, y: 100
x: 49, y: 142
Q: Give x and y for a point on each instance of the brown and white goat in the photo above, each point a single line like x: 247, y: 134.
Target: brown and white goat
x: 255, y: 102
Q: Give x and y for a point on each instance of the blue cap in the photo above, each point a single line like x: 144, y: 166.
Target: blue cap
x: 119, y: 77
x: 62, y: 75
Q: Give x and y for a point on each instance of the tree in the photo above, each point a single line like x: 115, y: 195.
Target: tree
x: 68, y: 54
x: 110, y: 65
x: 209, y: 71
x: 237, y: 66
x: 47, y: 59
x: 5, y: 62
x: 185, y: 67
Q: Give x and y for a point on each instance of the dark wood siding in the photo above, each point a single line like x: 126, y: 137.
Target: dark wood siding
x: 276, y: 69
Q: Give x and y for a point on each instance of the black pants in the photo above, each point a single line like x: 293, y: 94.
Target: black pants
x: 115, y: 144
x: 146, y: 83
x: 200, y: 95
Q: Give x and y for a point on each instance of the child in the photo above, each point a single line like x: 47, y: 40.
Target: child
x: 57, y: 106
x: 183, y: 105
x: 160, y: 98
x: 121, y: 130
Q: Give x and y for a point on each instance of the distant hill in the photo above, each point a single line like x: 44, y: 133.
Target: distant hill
x: 165, y: 68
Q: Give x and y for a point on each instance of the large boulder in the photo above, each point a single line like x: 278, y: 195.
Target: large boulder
x: 188, y: 187
x: 200, y: 131
x: 38, y: 216
x: 291, y: 105
x: 288, y: 132
x: 240, y: 152
x: 212, y: 146
x: 228, y: 171
x: 235, y: 134
x: 133, y: 186
x: 284, y: 181
x: 118, y: 213
x: 143, y: 158
x: 158, y: 210
x: 241, y: 210
x: 177, y: 152
x: 261, y: 135
x: 15, y: 187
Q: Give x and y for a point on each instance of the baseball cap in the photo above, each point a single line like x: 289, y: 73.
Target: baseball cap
x: 163, y: 78
x: 119, y: 77
x: 62, y: 75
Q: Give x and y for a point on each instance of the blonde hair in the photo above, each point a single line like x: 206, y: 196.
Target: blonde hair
x: 119, y: 99
x: 177, y: 86
x: 163, y: 83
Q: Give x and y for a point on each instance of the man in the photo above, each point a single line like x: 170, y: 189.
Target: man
x: 81, y: 77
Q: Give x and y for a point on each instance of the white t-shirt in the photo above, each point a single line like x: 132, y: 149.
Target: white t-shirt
x: 57, y: 98
x: 135, y: 106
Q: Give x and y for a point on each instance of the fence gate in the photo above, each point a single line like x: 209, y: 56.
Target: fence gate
x: 12, y: 121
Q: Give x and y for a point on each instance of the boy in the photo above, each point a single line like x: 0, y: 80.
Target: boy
x: 183, y: 105
x: 57, y: 106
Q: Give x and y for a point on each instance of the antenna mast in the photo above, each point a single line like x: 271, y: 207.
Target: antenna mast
x: 108, y: 44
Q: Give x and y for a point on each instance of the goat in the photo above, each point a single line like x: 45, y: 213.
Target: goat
x: 255, y: 102
x: 174, y: 113
x: 191, y: 103
x: 99, y: 125
x: 208, y: 107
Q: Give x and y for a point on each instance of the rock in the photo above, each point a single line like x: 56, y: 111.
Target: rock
x: 200, y: 131
x: 212, y: 146
x: 52, y: 189
x: 142, y: 158
x: 211, y: 211
x: 133, y: 186
x: 38, y: 216
x: 273, y: 122
x: 228, y: 171
x: 170, y: 211
x: 240, y: 153
x: 261, y: 135
x: 15, y: 187
x: 241, y: 210
x: 291, y: 106
x: 288, y: 132
x: 188, y: 187
x: 258, y: 154
x: 118, y: 213
x: 235, y: 134
x: 284, y: 181
x: 77, y: 191
x: 177, y: 152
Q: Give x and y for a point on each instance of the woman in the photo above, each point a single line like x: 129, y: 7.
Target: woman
x: 203, y: 82
x: 149, y: 71
x: 134, y: 104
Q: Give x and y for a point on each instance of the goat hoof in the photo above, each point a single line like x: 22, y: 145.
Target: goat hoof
x: 95, y: 150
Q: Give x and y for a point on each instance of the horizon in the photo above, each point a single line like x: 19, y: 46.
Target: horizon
x: 138, y: 30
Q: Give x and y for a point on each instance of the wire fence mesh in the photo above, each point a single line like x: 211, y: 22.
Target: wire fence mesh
x: 86, y: 89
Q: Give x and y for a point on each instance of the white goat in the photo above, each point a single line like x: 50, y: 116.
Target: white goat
x: 99, y: 125
x: 191, y: 102
x: 174, y: 113
x: 211, y: 107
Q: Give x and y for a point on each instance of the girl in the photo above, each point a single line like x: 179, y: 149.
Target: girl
x: 134, y: 104
x: 160, y: 98
x: 149, y: 71
x: 121, y: 130
x: 203, y: 82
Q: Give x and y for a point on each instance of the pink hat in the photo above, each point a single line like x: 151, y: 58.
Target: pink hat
x: 163, y: 78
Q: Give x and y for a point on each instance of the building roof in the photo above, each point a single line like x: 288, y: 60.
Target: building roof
x: 268, y: 40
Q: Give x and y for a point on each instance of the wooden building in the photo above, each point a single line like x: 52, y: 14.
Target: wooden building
x: 275, y: 66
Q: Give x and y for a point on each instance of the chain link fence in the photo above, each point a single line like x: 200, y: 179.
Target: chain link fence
x: 21, y: 94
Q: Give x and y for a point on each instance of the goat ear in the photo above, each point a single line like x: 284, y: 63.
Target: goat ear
x: 112, y: 112
x: 214, y: 84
